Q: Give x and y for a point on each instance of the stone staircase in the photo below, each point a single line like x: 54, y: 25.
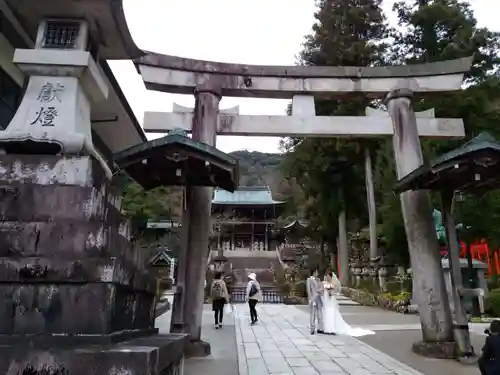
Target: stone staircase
x: 262, y: 264
x: 259, y: 262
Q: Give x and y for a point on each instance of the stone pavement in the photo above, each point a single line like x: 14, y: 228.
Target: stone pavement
x: 224, y: 358
x: 280, y: 344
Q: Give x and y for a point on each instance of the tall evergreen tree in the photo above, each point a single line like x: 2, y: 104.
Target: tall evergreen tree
x: 330, y: 171
x: 436, y: 30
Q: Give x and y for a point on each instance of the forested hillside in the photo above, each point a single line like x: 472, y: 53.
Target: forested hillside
x: 263, y: 169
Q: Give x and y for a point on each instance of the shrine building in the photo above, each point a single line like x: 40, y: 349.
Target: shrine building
x: 246, y: 220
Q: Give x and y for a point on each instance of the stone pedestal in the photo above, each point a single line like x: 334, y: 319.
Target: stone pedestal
x: 73, y: 289
x: 480, y: 269
x: 382, y: 278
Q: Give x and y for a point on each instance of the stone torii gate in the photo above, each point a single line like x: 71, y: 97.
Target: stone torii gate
x: 211, y: 80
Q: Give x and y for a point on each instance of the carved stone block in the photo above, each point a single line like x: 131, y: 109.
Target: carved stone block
x: 67, y: 266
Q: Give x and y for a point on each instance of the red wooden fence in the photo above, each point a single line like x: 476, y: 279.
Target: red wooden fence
x: 481, y: 251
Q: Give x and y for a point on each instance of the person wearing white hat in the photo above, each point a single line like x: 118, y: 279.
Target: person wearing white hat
x: 253, y: 296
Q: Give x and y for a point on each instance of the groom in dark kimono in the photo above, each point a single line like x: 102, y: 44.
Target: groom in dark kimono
x: 315, y: 296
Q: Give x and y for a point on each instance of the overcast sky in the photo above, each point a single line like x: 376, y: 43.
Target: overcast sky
x: 268, y: 32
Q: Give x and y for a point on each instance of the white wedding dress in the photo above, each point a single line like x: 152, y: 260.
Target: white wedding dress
x: 333, y: 321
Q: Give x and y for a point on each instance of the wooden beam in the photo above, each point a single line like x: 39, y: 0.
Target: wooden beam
x: 306, y: 126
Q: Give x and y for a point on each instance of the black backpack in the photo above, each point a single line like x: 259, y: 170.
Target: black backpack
x: 253, y: 290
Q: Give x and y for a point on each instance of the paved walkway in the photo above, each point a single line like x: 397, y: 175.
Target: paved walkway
x: 224, y: 358
x: 280, y: 344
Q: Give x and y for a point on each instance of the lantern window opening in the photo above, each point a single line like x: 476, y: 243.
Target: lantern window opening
x: 61, y: 34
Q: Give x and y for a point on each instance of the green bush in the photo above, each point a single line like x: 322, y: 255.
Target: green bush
x: 492, y: 303
x: 368, y: 286
x: 301, y: 289
x: 492, y: 282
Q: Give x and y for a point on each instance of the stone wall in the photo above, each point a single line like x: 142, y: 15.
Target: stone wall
x: 67, y: 264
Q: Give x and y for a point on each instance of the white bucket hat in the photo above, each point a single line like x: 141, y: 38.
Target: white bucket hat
x: 252, y: 276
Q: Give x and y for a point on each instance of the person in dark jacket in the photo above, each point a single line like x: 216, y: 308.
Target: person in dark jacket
x: 489, y: 362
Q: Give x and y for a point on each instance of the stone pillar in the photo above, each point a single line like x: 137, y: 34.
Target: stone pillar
x: 343, y: 250
x: 198, y: 225
x: 382, y: 276
x: 372, y: 210
x: 172, y: 270
x: 252, y: 239
x: 266, y: 239
x: 429, y: 287
x: 177, y: 320
x: 461, y: 328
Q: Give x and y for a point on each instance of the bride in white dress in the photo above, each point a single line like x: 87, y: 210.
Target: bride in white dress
x: 332, y: 319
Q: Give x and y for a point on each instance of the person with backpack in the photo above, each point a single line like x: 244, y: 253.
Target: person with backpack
x: 219, y: 296
x: 253, y: 296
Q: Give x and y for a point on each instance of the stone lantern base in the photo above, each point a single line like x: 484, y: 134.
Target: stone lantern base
x: 440, y: 350
x: 76, y: 297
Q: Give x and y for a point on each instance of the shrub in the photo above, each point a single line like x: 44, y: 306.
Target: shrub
x: 368, y: 286
x: 399, y: 302
x: 492, y: 282
x: 166, y: 284
x: 492, y: 303
x: 301, y: 289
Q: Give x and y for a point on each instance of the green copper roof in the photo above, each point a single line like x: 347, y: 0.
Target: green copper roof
x: 483, y: 141
x: 176, y: 160
x: 474, y: 166
x: 245, y: 195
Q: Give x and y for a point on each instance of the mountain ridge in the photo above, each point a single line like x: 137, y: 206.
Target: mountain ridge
x: 261, y: 168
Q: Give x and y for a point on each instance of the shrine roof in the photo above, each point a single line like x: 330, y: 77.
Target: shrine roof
x: 297, y: 223
x: 162, y: 256
x: 106, y: 19
x: 176, y: 160
x: 474, y: 166
x: 245, y: 196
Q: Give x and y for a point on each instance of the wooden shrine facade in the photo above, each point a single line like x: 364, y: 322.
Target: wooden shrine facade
x: 245, y: 219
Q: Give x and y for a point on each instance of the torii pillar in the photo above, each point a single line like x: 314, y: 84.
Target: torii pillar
x: 187, y: 308
x: 428, y: 283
